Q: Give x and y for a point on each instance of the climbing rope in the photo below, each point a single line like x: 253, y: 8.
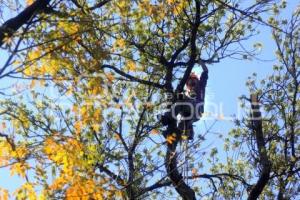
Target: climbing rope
x: 184, y: 148
x: 186, y: 159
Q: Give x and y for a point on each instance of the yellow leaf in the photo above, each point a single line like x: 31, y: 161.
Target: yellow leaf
x: 117, y: 137
x: 34, y: 54
x: 83, y: 110
x: 154, y: 132
x: 123, y: 6
x: 68, y: 27
x: 118, y: 106
x: 171, y: 138
x: 70, y: 90
x: 27, y: 71
x: 26, y: 191
x: 42, y: 83
x: 53, y: 66
x: 7, y: 40
x: 32, y: 84
x: 29, y: 2
x: 5, y: 152
x: 19, y: 169
x: 178, y: 6
x: 43, y: 69
x: 96, y: 127
x: 145, y: 5
x: 78, y: 127
x: 4, y: 195
x: 184, y: 137
x: 120, y: 42
x: 110, y: 77
x: 20, y: 152
x: 97, y: 115
x: 171, y: 1
x: 83, y: 189
x: 58, y: 183
x: 75, y: 109
x: 131, y: 66
x: 23, y: 119
x: 43, y: 195
x: 16, y: 62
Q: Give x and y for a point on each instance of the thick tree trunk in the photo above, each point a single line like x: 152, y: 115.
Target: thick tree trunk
x: 260, y: 142
x: 181, y: 187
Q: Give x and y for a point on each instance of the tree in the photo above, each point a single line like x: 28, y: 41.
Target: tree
x: 99, y: 73
x: 274, y: 145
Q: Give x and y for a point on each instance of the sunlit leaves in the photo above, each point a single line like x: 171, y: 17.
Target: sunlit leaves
x: 64, y: 154
x: 94, y: 86
x: 123, y: 6
x: 26, y: 191
x: 4, y: 195
x: 120, y: 43
x: 110, y: 77
x: 131, y: 66
x: 177, y: 6
x: 5, y: 151
x: 19, y: 169
x: 84, y: 189
x: 69, y: 28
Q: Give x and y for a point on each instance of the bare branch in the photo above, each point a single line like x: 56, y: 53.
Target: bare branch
x: 132, y: 78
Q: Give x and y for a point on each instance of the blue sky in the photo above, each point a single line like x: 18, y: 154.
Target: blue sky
x: 226, y: 83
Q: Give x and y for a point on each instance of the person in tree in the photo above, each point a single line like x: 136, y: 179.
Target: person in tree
x: 189, y: 106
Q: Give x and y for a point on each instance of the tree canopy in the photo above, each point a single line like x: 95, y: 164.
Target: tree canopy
x: 91, y: 77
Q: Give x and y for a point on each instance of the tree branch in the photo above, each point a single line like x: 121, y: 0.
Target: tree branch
x: 154, y: 187
x: 13, y: 24
x: 99, y: 5
x: 193, y: 49
x: 117, y: 178
x: 132, y: 78
x: 263, y: 157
